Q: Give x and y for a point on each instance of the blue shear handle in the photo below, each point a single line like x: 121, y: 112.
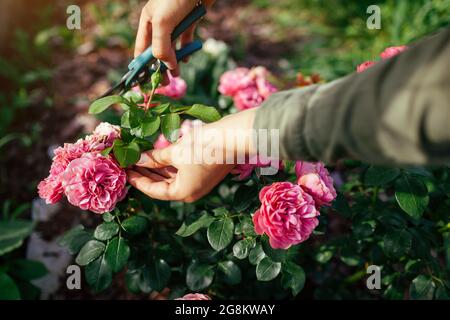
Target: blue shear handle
x: 184, y: 52
x: 145, y: 57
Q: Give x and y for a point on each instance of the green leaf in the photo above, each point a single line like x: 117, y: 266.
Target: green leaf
x: 117, y: 253
x: 100, y: 105
x: 106, y: 230
x: 175, y: 108
x: 412, y: 195
x: 162, y: 108
x: 134, y: 96
x: 380, y: 176
x: 242, y: 248
x: 170, y: 123
x: 135, y: 225
x: 125, y: 120
x: 422, y: 288
x: 27, y: 269
x: 220, y: 233
x: 267, y: 269
x: 244, y: 197
x: 199, y: 276
x: 136, y: 116
x: 75, y: 238
x: 132, y: 280
x: 150, y: 124
x: 12, y: 234
x: 203, y: 222
x: 277, y: 255
x: 159, y: 274
x: 8, y: 288
x: 293, y: 277
x: 204, y: 113
x: 397, y: 244
x: 106, y: 151
x: 256, y: 254
x: 231, y: 272
x: 126, y: 153
x: 99, y: 274
x: 107, y: 217
x: 90, y: 251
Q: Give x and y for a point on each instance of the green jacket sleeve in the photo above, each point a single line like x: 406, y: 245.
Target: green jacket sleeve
x: 394, y: 113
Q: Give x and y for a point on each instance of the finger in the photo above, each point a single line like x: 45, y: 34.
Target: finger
x: 165, y: 79
x: 167, y: 172
x: 144, y: 34
x: 157, y: 158
x: 149, y: 174
x: 154, y: 189
x: 162, y: 44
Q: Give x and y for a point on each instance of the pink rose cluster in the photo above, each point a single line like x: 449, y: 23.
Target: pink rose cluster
x: 248, y: 87
x: 386, y: 54
x: 88, y: 179
x: 288, y: 212
x: 195, y: 296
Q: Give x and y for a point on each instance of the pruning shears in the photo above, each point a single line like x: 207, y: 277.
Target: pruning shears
x: 143, y: 66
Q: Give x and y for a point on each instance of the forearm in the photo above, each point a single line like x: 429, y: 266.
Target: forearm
x: 396, y: 112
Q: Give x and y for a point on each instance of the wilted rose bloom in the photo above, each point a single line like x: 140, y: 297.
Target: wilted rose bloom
x: 94, y: 182
x: 248, y: 98
x: 161, y: 142
x: 287, y: 215
x: 176, y: 89
x: 392, y: 51
x: 106, y: 133
x: 315, y: 179
x: 235, y: 80
x: 194, y: 296
x: 245, y: 170
x: 365, y: 65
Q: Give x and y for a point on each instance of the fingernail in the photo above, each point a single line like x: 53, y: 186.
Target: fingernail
x: 143, y: 159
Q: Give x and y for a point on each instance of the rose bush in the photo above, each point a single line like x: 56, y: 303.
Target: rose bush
x: 253, y: 236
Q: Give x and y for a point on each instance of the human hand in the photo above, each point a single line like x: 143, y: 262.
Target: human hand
x: 157, y: 21
x: 172, y: 174
x: 160, y: 176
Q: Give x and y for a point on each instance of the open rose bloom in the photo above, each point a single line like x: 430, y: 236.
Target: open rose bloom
x: 88, y: 179
x: 248, y: 87
x: 288, y: 214
x: 316, y: 180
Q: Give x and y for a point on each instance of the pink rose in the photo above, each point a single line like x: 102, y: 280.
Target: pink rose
x: 51, y: 189
x: 265, y: 88
x: 94, y: 182
x: 105, y: 133
x: 287, y: 214
x: 365, y: 65
x: 315, y: 179
x: 248, y: 98
x: 392, y: 51
x: 176, y: 89
x: 194, y: 296
x: 245, y: 170
x: 234, y: 80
